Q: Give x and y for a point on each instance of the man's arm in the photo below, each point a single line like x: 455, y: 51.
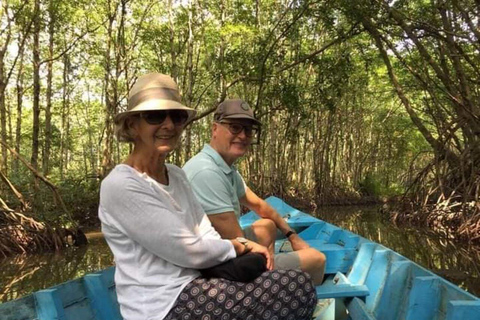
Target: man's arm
x: 264, y: 210
x: 226, y: 225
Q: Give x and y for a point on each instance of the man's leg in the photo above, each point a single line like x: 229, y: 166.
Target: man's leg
x: 308, y: 260
x: 263, y: 232
x: 313, y: 262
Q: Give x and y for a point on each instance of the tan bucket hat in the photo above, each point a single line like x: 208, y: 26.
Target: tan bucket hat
x: 154, y: 91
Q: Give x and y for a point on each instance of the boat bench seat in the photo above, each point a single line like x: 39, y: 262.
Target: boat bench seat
x: 90, y: 297
x: 352, y: 294
x: 341, y: 287
x: 357, y: 310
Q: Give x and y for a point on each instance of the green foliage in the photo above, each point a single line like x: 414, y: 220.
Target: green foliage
x: 81, y: 196
x: 330, y: 119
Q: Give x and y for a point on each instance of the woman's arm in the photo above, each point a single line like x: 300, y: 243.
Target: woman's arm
x: 140, y: 214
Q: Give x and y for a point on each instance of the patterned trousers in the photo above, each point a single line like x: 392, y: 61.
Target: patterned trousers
x: 275, y: 295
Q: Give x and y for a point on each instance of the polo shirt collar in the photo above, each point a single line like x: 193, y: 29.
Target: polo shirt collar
x: 217, y: 158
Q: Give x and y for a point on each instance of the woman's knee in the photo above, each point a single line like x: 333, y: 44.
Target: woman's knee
x: 291, y: 281
x: 295, y: 289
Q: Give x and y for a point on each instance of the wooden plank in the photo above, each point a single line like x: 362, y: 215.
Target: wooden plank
x: 99, y: 295
x: 344, y: 290
x: 394, y: 299
x: 464, y: 310
x: 362, y: 263
x: 377, y: 276
x: 71, y: 292
x: 357, y: 310
x: 20, y: 309
x: 312, y: 231
x: 339, y: 259
x: 49, y: 305
x: 80, y: 310
x: 424, y: 298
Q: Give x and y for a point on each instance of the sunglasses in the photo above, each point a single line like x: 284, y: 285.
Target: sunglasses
x: 178, y: 117
x: 236, y: 128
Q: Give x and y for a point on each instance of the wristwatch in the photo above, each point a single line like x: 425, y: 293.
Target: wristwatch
x: 242, y: 240
x: 289, y: 233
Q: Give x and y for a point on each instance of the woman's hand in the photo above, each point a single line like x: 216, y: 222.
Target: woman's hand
x: 257, y: 248
x: 251, y: 246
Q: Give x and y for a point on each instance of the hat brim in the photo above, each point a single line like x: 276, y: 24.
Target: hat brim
x: 156, y: 105
x: 243, y: 117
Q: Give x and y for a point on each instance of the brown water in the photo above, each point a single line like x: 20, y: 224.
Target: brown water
x: 21, y: 275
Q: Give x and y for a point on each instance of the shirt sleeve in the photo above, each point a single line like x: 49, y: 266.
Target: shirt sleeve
x: 241, y: 185
x: 212, y: 192
x: 142, y: 216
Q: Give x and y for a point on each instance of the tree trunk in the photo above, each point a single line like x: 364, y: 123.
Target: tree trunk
x: 3, y: 87
x: 107, y: 161
x: 439, y: 149
x: 36, y: 85
x: 48, y: 106
x: 173, y: 51
x: 190, y: 79
x: 18, y: 125
x: 65, y: 133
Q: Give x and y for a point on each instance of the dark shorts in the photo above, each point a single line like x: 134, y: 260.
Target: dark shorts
x: 278, y: 294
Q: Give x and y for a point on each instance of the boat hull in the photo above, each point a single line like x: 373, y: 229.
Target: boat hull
x: 364, y: 280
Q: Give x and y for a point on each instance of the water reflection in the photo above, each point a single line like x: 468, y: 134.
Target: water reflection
x: 460, y: 264
x: 23, y: 274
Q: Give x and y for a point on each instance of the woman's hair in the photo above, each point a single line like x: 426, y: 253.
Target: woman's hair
x: 123, y: 130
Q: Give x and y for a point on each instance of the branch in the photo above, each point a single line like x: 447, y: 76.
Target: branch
x: 349, y: 34
x: 270, y: 50
x: 14, y: 190
x: 220, y: 99
x: 67, y: 49
x: 20, y: 49
x: 43, y: 179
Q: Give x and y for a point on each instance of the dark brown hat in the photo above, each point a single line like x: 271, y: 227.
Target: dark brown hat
x: 154, y: 91
x: 235, y: 109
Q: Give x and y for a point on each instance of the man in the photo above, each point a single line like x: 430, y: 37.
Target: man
x: 220, y: 189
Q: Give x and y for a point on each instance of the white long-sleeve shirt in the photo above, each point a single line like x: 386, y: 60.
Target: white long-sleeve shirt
x: 159, y: 236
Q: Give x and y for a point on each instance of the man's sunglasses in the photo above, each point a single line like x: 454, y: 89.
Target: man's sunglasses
x: 236, y: 128
x: 178, y: 117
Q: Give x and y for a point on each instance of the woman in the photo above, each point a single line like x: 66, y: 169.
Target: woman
x: 160, y: 236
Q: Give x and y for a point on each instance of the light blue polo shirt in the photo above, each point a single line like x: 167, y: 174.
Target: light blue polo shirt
x: 216, y: 185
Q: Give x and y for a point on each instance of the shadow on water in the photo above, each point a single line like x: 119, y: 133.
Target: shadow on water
x: 23, y: 274
x: 458, y: 263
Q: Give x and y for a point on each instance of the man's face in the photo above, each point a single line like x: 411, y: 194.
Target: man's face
x: 232, y: 138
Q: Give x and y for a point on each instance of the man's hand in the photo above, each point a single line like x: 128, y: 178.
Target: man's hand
x: 297, y: 242
x: 257, y: 248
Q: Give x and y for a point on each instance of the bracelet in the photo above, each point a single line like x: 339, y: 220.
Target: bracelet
x: 289, y: 233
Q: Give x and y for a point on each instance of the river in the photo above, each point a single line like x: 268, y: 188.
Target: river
x: 23, y: 274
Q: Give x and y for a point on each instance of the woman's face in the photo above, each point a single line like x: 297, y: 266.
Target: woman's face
x: 159, y: 131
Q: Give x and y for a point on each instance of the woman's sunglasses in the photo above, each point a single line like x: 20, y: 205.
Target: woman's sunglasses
x: 178, y: 117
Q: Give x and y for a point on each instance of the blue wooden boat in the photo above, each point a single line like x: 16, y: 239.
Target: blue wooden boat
x: 365, y: 280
